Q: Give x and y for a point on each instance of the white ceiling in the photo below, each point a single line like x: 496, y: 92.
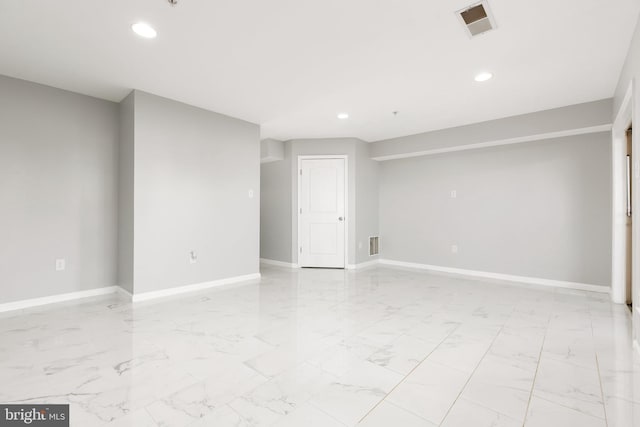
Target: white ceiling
x: 292, y: 65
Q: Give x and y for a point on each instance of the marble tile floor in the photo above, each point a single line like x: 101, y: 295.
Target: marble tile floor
x: 376, y: 347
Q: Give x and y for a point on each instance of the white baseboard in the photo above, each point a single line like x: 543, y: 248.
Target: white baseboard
x: 125, y: 293
x: 292, y: 265
x: 278, y: 263
x: 145, y: 296
x: 36, y: 302
x: 499, y: 276
x: 363, y: 265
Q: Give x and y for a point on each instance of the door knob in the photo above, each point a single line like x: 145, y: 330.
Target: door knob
x: 340, y: 218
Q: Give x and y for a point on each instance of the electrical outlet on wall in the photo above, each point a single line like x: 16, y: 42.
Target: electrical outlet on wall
x: 454, y: 194
x: 61, y: 264
x: 193, y: 257
x: 454, y: 249
x: 359, y: 245
x: 251, y: 194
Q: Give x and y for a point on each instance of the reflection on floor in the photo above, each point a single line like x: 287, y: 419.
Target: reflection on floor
x: 379, y: 347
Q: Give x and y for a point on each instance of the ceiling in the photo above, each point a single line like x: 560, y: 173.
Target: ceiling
x: 292, y: 65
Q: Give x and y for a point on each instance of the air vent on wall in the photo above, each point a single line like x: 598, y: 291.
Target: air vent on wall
x: 477, y: 19
x: 373, y: 246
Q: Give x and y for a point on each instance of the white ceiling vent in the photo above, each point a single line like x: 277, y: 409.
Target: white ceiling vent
x: 477, y: 18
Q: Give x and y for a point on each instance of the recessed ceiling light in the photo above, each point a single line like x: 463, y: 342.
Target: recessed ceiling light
x: 483, y: 77
x: 343, y: 116
x: 144, y: 30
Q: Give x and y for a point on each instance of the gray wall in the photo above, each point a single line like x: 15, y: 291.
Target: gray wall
x: 275, y: 208
x: 540, y: 209
x: 271, y: 150
x: 193, y: 171
x: 366, y: 201
x: 562, y: 119
x: 58, y: 190
x: 126, y: 157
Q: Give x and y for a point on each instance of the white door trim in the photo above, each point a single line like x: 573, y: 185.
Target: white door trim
x: 619, y: 195
x: 346, y: 201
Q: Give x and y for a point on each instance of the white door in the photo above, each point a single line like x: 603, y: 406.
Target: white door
x: 321, y: 210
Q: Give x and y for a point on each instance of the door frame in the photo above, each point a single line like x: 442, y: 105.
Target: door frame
x: 622, y: 122
x: 344, y: 157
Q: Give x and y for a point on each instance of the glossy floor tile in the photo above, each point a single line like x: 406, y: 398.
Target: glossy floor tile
x: 375, y: 347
